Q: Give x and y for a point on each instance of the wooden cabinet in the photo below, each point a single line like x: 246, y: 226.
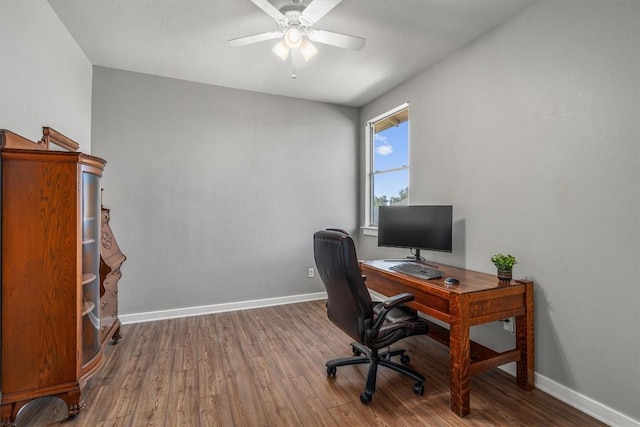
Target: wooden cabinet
x: 111, y: 258
x: 50, y: 331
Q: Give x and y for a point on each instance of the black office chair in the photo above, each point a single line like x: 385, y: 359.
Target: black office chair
x: 373, y: 326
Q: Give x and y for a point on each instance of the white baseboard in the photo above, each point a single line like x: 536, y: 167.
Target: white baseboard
x: 584, y: 403
x: 151, y: 316
x: 579, y: 401
x: 571, y: 397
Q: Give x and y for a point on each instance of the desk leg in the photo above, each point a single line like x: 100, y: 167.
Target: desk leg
x: 460, y: 355
x: 525, y: 373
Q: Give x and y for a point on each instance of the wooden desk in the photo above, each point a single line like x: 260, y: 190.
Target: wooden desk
x: 478, y: 298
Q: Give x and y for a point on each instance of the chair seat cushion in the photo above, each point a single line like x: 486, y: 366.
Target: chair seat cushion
x: 400, y: 322
x: 397, y: 314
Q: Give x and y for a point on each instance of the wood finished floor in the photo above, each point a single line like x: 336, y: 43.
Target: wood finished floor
x: 265, y: 367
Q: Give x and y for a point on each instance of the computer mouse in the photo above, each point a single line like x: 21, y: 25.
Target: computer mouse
x: 451, y: 281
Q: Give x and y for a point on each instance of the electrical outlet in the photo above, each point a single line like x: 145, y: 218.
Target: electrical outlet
x: 311, y: 272
x: 508, y: 324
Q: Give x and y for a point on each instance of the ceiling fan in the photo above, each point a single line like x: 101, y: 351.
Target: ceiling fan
x: 295, y: 28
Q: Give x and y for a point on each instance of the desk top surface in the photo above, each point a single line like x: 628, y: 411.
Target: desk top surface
x: 470, y: 281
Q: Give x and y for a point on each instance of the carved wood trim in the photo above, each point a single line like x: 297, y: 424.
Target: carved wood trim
x: 50, y: 135
x: 9, y: 139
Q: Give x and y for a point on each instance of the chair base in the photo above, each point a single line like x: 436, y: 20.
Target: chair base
x: 363, y: 355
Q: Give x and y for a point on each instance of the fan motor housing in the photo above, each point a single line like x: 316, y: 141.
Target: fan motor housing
x: 292, y: 16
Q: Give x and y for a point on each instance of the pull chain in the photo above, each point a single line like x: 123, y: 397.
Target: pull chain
x: 293, y: 67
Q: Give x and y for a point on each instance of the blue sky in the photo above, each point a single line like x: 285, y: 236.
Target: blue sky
x: 391, y: 151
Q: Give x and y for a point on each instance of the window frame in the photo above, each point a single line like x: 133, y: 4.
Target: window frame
x: 369, y: 228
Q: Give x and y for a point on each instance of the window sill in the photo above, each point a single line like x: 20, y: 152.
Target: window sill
x: 369, y: 230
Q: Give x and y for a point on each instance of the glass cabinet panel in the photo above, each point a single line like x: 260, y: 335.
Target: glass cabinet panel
x: 90, y: 266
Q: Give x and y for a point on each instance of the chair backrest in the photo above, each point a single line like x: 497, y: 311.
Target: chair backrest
x: 349, y: 304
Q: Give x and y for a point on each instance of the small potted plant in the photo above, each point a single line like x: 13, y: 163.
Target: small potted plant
x: 504, y: 264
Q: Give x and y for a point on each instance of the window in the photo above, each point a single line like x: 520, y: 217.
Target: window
x: 387, y: 138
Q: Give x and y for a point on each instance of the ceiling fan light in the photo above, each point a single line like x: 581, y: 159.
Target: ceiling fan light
x: 282, y: 50
x: 293, y: 37
x: 308, y: 50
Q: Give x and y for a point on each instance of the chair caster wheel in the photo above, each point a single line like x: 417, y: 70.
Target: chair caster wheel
x: 331, y: 371
x: 404, y: 359
x: 356, y: 352
x: 365, y: 398
x: 418, y: 388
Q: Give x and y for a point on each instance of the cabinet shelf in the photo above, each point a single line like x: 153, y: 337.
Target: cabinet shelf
x: 87, y: 307
x: 88, y: 278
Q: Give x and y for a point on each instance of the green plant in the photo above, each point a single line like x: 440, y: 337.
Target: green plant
x: 503, y: 262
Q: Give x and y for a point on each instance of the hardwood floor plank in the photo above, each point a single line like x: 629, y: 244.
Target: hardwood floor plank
x: 268, y: 331
x: 186, y: 357
x: 250, y: 333
x: 208, y: 351
x: 331, y: 335
x: 266, y: 367
x: 348, y: 415
x: 118, y: 422
x: 183, y: 405
x: 126, y: 396
x: 244, y: 399
x: 284, y: 364
x: 277, y: 406
x: 215, y: 411
x: 206, y: 327
x: 111, y: 368
x: 385, y: 409
x: 212, y: 376
x: 307, y: 405
x: 151, y: 410
x: 330, y: 390
x: 186, y: 339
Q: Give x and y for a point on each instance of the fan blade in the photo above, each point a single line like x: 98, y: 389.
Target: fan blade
x: 243, y: 41
x: 269, y: 9
x: 317, y: 9
x: 336, y: 39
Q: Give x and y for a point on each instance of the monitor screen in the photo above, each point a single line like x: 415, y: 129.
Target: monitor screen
x: 416, y: 227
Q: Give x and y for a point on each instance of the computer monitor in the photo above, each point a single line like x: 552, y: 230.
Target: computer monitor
x: 428, y: 227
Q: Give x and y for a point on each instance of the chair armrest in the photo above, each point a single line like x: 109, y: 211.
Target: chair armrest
x: 387, y: 305
x: 397, y: 299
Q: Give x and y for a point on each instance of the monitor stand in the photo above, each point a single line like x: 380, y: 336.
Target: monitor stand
x: 416, y: 258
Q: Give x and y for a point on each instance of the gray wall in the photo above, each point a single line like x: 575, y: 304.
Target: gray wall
x: 45, y: 78
x: 215, y: 192
x: 532, y: 133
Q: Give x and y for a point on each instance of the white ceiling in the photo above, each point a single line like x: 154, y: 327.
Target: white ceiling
x: 187, y: 39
